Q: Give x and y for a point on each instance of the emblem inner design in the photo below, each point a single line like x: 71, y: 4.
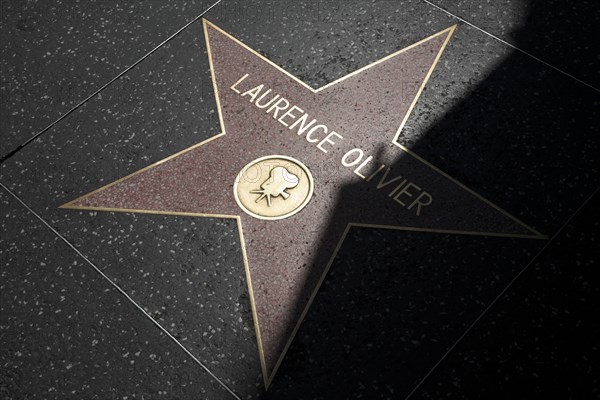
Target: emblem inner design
x: 280, y: 179
x: 273, y: 187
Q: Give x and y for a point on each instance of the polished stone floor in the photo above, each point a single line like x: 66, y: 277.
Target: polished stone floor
x: 143, y: 305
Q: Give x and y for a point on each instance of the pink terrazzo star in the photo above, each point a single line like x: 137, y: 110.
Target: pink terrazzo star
x: 287, y: 259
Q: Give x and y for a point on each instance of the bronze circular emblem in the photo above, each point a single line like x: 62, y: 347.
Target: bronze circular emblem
x: 273, y: 187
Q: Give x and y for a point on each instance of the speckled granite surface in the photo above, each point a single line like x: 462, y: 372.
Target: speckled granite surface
x: 512, y: 129
x: 55, y: 53
x: 557, y: 33
x: 67, y: 333
x: 541, y: 339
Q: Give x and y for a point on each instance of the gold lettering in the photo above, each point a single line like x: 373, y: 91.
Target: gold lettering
x: 405, y: 191
x: 277, y: 108
x: 421, y: 204
x: 237, y: 83
x: 357, y: 170
x: 382, y: 182
x: 309, y: 134
x: 289, y: 114
x: 254, y: 92
x: 262, y: 96
x: 303, y: 125
x: 397, y: 187
x: 345, y: 162
x: 376, y: 172
x: 327, y: 139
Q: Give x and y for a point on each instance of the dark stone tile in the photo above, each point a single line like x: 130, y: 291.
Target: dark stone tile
x: 68, y: 333
x: 510, y: 128
x: 389, y: 308
x: 320, y: 41
x: 187, y: 273
x: 55, y: 53
x: 558, y: 33
x: 541, y: 339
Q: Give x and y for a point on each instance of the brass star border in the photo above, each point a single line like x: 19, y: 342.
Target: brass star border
x: 268, y: 374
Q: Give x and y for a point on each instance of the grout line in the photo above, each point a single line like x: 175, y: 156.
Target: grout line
x: 120, y: 290
x: 513, y: 46
x: 497, y: 298
x: 47, y: 128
